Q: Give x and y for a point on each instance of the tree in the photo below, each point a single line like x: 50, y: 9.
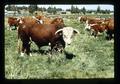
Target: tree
x: 32, y: 8
x: 68, y: 9
x: 73, y: 9
x: 83, y: 10
x: 49, y: 10
x: 58, y: 9
x: 11, y: 8
x: 98, y: 9
x: 77, y: 10
x: 54, y: 10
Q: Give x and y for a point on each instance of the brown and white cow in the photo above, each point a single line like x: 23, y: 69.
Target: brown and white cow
x: 84, y: 18
x: 44, y: 34
x: 13, y: 22
x: 107, y: 25
x: 93, y: 21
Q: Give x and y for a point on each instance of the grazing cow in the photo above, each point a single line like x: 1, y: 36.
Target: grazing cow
x: 83, y: 19
x: 41, y: 34
x: 12, y: 21
x: 93, y: 21
x: 107, y: 25
x: 95, y: 28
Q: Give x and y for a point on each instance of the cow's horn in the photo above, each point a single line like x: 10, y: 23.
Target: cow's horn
x: 58, y: 31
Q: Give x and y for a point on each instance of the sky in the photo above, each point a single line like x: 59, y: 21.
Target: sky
x: 88, y: 7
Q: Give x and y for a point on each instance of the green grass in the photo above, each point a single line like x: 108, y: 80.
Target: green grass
x: 94, y: 58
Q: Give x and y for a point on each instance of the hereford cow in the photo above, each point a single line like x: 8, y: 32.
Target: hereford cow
x: 95, y: 28
x: 45, y: 32
x: 13, y: 22
x: 83, y: 19
x: 93, y: 21
x: 107, y: 25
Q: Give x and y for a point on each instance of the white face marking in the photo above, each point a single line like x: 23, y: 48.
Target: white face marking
x: 41, y: 21
x: 67, y: 35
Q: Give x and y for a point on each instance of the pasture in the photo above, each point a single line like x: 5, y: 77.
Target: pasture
x: 93, y: 57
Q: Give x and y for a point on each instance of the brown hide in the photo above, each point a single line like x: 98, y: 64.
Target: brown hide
x: 95, y: 21
x: 13, y: 21
x: 44, y: 19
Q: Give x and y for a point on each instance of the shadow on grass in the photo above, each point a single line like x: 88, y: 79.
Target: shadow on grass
x: 69, y: 55
x: 44, y: 52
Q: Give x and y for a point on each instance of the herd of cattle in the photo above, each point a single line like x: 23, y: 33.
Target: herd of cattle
x: 95, y: 25
x: 53, y: 32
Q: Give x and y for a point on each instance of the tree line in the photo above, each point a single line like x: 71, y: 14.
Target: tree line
x: 54, y: 10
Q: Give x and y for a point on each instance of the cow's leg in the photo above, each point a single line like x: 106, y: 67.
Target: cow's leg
x: 109, y: 35
x: 10, y: 28
x: 23, y: 49
x: 95, y: 34
x: 28, y: 49
x: 92, y: 32
x: 19, y: 45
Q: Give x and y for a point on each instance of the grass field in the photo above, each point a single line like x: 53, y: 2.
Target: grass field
x: 94, y: 58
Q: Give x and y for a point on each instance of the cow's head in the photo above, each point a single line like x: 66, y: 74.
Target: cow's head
x: 67, y: 34
x: 58, y: 22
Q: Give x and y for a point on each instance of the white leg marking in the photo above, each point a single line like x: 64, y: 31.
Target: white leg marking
x: 22, y: 54
x: 30, y: 54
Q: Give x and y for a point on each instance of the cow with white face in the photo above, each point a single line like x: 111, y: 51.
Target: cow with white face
x: 67, y: 33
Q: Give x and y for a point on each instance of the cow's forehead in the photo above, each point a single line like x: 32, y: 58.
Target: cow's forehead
x: 68, y: 30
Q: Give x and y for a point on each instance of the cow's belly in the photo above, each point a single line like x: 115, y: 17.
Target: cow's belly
x: 41, y: 41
